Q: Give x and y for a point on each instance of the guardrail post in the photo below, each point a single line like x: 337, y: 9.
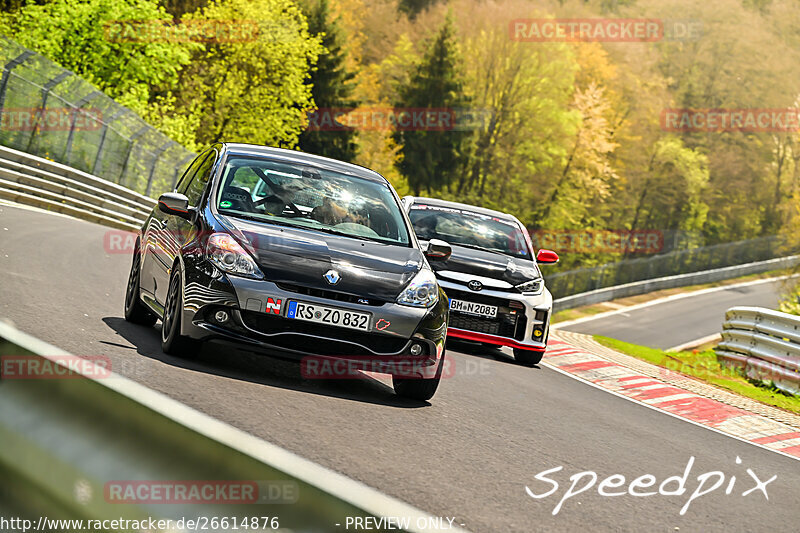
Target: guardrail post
x: 155, y: 162
x: 121, y: 111
x: 11, y: 65
x: 45, y: 94
x: 131, y: 142
x: 78, y: 105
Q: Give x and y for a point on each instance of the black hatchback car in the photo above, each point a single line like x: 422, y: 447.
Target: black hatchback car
x: 297, y: 256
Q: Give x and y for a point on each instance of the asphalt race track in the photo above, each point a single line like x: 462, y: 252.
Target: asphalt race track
x: 489, y: 430
x: 675, y: 322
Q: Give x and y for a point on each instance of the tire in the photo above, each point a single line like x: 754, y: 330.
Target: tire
x: 421, y: 390
x: 172, y: 342
x: 527, y: 357
x: 135, y: 310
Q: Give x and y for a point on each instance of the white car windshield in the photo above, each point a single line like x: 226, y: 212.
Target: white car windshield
x: 469, y: 228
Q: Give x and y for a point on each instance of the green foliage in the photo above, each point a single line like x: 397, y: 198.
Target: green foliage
x: 517, y: 154
x: 432, y: 159
x: 587, y: 172
x: 179, y: 8
x: 673, y: 196
x: 412, y: 8
x: 252, y: 91
x: 790, y: 303
x: 81, y: 38
x: 331, y: 86
x: 8, y: 6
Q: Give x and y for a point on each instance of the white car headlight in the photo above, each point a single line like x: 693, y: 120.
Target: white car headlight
x: 531, y: 287
x: 229, y: 256
x: 422, y: 291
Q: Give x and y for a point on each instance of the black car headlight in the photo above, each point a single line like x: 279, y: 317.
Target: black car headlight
x: 532, y: 287
x: 422, y: 291
x: 229, y: 256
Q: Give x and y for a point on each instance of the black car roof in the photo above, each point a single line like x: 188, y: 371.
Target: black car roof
x: 466, y: 207
x: 302, y: 157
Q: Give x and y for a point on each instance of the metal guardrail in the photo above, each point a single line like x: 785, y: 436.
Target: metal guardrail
x: 670, y: 282
x: 64, y: 441
x: 33, y: 180
x: 674, y: 263
x: 764, y: 344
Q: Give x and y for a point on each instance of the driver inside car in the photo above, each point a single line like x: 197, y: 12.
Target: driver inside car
x: 330, y: 213
x: 240, y: 198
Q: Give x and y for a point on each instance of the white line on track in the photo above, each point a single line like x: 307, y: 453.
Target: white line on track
x: 696, y: 342
x: 625, y: 310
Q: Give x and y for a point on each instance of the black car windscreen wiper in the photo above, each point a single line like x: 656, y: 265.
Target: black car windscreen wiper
x: 353, y: 236
x: 331, y: 231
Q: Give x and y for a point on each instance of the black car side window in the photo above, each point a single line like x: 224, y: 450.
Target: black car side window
x: 190, y: 172
x: 194, y: 189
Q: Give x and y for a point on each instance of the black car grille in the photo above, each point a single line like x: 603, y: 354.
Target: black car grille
x: 295, y: 335
x: 330, y: 295
x: 509, y: 322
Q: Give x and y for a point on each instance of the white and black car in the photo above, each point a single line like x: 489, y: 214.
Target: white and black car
x: 496, y: 290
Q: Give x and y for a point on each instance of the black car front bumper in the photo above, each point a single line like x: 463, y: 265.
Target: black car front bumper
x: 257, y: 321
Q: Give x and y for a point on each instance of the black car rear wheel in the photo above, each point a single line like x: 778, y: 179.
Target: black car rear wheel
x: 527, y: 357
x: 418, y: 389
x: 172, y: 342
x: 135, y: 310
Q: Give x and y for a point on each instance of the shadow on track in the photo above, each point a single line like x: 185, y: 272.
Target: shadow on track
x: 484, y: 351
x: 231, y: 362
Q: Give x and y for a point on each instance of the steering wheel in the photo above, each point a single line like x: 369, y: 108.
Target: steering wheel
x: 290, y: 205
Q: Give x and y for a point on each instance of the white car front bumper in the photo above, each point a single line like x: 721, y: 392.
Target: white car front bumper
x: 507, y: 329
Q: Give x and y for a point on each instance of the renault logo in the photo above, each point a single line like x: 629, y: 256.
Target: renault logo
x: 332, y: 277
x: 475, y: 285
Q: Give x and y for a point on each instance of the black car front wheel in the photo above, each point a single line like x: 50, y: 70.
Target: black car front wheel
x: 527, y: 357
x: 135, y: 310
x: 417, y: 388
x: 172, y: 342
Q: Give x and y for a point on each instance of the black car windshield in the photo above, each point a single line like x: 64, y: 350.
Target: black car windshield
x: 311, y: 197
x: 469, y: 228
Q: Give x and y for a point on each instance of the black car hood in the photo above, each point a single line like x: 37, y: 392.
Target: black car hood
x: 302, y: 257
x: 488, y: 264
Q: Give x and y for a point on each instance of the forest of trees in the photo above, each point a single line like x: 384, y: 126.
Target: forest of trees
x: 571, y: 134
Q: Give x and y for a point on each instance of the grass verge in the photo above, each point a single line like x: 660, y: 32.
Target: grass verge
x: 703, y: 365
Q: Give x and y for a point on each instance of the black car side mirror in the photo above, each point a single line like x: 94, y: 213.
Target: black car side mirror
x: 174, y: 203
x: 438, y: 250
